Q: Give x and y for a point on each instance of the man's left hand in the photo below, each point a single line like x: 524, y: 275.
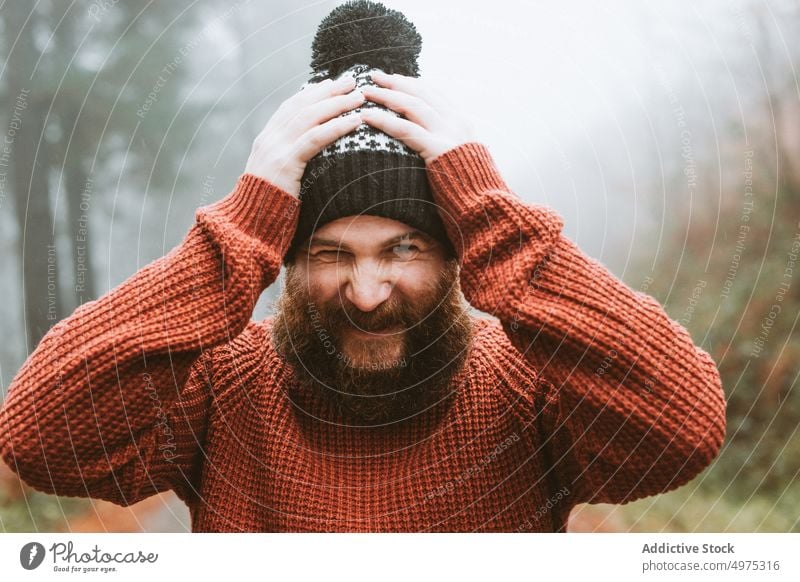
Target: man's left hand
x: 431, y: 125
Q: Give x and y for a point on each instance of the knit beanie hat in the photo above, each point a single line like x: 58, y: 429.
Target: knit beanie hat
x: 366, y: 171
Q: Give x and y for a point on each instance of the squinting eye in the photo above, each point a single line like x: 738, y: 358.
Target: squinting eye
x: 328, y: 255
x: 405, y: 252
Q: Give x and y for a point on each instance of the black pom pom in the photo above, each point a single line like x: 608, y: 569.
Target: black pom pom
x: 367, y: 33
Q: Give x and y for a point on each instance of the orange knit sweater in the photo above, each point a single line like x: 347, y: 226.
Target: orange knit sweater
x: 579, y: 390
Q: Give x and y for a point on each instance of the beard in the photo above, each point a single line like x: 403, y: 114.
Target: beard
x: 382, y: 378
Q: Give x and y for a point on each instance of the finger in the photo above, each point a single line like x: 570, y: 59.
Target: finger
x: 411, y: 85
x: 319, y: 136
x: 308, y: 95
x: 411, y: 134
x: 324, y: 89
x: 326, y: 109
x: 412, y: 107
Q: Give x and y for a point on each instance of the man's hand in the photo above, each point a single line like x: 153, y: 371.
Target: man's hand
x: 304, y: 124
x: 432, y: 125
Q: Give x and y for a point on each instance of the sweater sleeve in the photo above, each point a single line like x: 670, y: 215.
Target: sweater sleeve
x: 630, y: 407
x: 114, y: 400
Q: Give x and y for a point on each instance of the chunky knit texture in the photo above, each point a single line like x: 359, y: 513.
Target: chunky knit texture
x: 580, y: 389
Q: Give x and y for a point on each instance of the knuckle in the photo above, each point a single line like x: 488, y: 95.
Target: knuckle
x: 327, y: 86
x: 293, y: 126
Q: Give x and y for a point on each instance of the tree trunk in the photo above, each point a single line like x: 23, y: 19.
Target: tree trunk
x: 26, y: 148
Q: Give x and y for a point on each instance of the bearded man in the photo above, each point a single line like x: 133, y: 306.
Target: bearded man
x: 373, y: 400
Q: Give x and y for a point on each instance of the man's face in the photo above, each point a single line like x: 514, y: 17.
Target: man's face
x: 372, y: 265
x: 372, y: 307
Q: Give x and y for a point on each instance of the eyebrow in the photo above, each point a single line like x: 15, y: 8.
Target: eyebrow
x: 410, y: 235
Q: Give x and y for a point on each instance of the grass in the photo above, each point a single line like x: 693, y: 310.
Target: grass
x: 690, y: 509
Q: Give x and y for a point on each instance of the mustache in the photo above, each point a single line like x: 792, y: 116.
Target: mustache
x: 391, y: 313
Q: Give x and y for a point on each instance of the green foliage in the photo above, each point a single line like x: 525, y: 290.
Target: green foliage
x: 697, y: 507
x: 33, y: 511
x: 745, y: 317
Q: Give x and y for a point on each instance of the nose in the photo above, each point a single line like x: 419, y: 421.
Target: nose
x: 368, y: 286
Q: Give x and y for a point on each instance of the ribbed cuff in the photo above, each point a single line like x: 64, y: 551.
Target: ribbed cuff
x: 461, y: 175
x: 259, y: 209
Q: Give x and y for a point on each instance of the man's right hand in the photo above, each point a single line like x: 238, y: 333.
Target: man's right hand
x: 303, y: 125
